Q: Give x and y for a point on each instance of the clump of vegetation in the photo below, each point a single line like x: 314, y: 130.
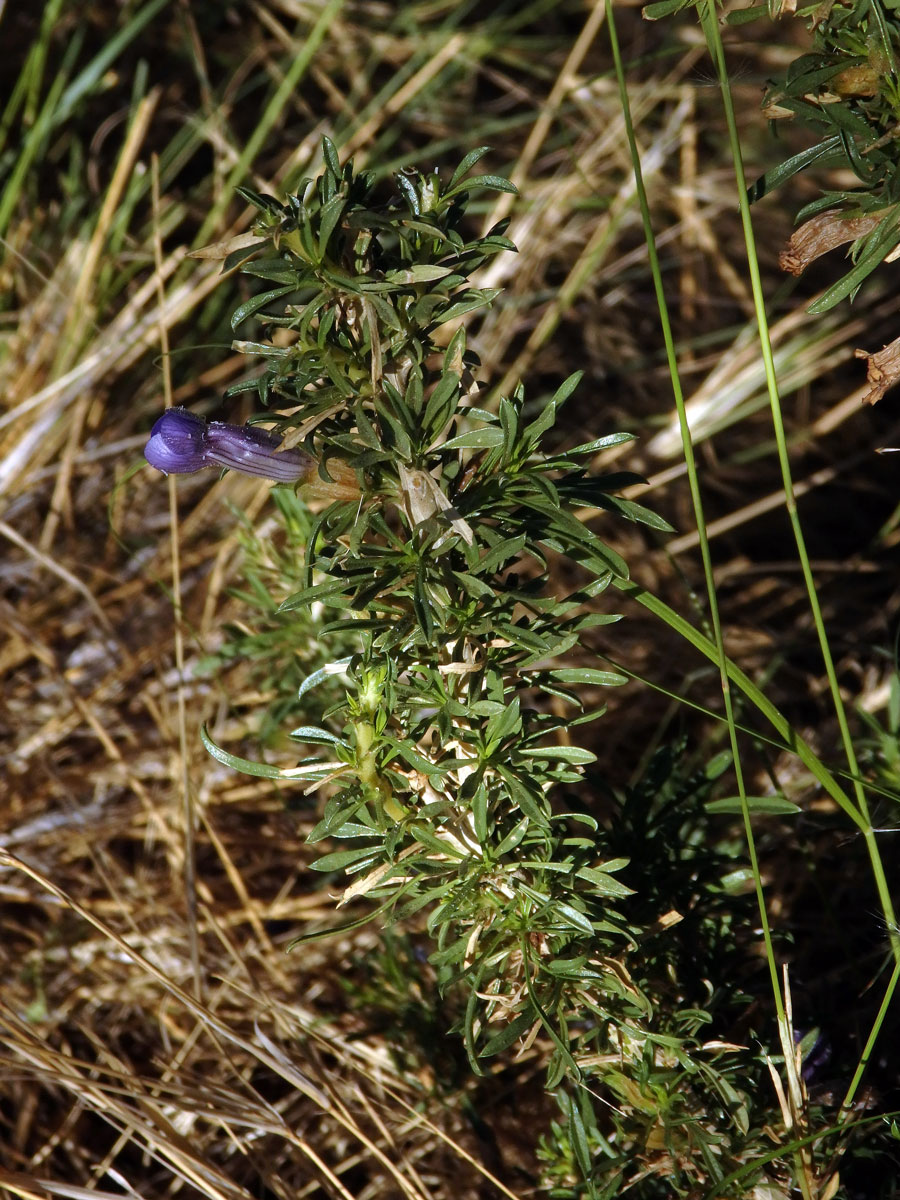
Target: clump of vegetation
x: 612, y: 943
x: 445, y: 754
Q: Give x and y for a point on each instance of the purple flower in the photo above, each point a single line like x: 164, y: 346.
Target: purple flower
x: 178, y: 443
x: 181, y: 442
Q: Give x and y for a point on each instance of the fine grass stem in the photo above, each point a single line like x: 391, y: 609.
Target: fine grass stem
x: 697, y: 503
x: 713, y: 34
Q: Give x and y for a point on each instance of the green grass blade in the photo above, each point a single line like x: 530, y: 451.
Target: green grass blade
x: 714, y: 38
x: 697, y: 503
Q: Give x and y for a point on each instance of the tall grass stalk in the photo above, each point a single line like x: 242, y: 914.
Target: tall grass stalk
x: 274, y: 110
x: 859, y: 811
x: 696, y: 499
x: 711, y: 29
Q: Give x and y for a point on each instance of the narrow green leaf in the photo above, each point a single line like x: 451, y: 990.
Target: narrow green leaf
x: 422, y: 273
x: 567, y: 387
x: 770, y: 806
x: 306, y: 596
x: 440, y: 846
x: 588, y: 675
x: 329, y: 215
x: 468, y: 163
x: 509, y: 423
x: 479, y: 814
x: 469, y: 1035
x: 471, y: 301
x: 533, y: 433
x: 513, y: 838
x: 579, y: 1140
x: 642, y: 515
x: 317, y: 736
x: 569, y: 754
x: 422, y: 602
x: 341, y: 859
x: 501, y: 1041
x: 875, y: 254
x: 504, y: 723
x: 718, y: 764
x: 603, y: 883
x: 276, y: 270
x: 784, y: 171
x: 415, y: 759
x: 319, y: 935
x: 501, y: 554
x: 245, y: 765
x: 441, y: 403
x: 255, y: 303
x: 476, y: 439
x: 528, y: 802
x: 664, y: 8
x: 743, y: 16
x: 603, y: 443
x: 330, y: 154
x: 574, y: 917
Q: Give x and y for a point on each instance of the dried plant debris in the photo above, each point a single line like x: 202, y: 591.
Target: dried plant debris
x: 822, y: 233
x: 882, y: 369
x: 843, y: 91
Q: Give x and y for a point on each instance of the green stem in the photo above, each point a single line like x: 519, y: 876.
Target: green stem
x: 758, y: 698
x: 870, y: 1043
x: 697, y: 503
x: 714, y: 40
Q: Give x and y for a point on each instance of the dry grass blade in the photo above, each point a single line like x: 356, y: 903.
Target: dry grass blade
x: 80, y: 317
x: 153, y: 1126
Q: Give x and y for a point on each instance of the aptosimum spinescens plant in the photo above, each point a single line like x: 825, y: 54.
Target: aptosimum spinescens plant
x: 446, y: 752
x: 450, y: 764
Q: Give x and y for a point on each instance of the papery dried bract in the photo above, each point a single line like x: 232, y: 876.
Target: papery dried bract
x: 882, y: 369
x: 822, y: 233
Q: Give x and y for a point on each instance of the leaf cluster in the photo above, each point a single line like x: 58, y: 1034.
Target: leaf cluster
x: 276, y: 648
x: 846, y: 91
x: 354, y: 282
x: 457, y: 727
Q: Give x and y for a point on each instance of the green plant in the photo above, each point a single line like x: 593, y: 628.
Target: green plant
x: 600, y: 926
x: 451, y: 753
x: 844, y: 90
x: 446, y: 749
x: 275, y: 649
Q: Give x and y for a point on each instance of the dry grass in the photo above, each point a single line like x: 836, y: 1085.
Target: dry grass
x: 156, y: 1039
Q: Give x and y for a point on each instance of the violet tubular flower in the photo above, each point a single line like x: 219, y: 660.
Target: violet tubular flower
x: 255, y: 452
x: 181, y: 443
